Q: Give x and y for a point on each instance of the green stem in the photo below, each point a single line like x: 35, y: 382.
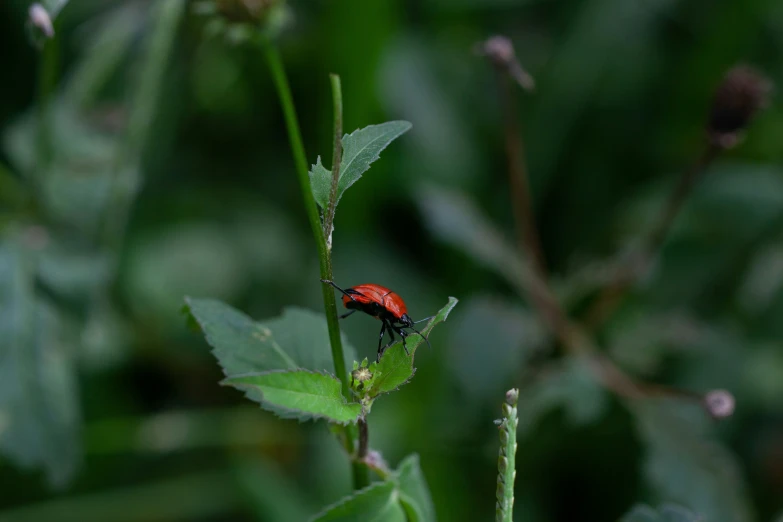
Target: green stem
x: 360, y: 474
x: 47, y: 83
x: 504, y: 509
x: 300, y: 161
x: 337, y: 101
x: 144, y: 100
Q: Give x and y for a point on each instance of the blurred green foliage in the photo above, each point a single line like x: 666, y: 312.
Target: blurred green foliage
x: 144, y: 157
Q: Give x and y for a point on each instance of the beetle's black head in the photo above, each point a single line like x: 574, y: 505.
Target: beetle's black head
x: 406, y: 320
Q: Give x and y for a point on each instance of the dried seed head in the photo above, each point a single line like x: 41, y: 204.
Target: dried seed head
x: 741, y: 94
x: 500, y: 52
x: 498, y: 49
x: 40, y: 18
x: 719, y: 403
x: 362, y: 374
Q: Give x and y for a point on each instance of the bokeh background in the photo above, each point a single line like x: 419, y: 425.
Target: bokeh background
x: 109, y: 406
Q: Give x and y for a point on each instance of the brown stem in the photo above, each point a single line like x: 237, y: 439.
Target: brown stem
x: 517, y: 174
x: 638, y: 261
x: 364, y: 440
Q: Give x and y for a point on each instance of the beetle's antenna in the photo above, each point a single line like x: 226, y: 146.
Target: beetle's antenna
x: 422, y: 320
x: 422, y: 336
x: 337, y: 287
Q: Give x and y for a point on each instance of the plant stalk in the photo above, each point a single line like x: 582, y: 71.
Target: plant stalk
x: 504, y: 508
x: 47, y: 83
x: 300, y: 162
x: 612, y: 295
x: 518, y: 178
x: 359, y: 469
x: 337, y: 102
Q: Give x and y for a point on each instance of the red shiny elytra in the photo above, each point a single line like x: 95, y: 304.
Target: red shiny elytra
x: 383, y: 304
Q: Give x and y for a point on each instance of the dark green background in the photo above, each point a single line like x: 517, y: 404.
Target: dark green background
x: 623, y: 89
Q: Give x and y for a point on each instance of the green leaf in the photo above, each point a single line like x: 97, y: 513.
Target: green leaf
x: 360, y: 148
x: 39, y: 408
x: 300, y: 394
x: 396, y: 367
x: 297, y: 339
x: 666, y: 513
x: 684, y: 466
x: 414, y: 492
x: 376, y: 503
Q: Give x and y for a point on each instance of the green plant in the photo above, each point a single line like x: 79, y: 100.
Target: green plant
x: 286, y: 363
x: 507, y: 473
x: 585, y: 368
x: 67, y: 199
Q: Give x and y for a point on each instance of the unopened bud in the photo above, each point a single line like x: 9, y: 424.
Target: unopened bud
x: 500, y: 51
x: 40, y: 18
x: 375, y: 460
x: 742, y: 93
x: 719, y: 403
x: 512, y: 396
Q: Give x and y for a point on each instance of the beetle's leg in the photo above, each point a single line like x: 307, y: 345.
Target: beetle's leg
x: 344, y: 292
x: 400, y: 330
x: 390, y: 329
x: 380, y: 339
x: 404, y: 334
x: 349, y: 313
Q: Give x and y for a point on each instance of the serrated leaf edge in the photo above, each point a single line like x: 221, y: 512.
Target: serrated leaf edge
x: 350, y: 497
x: 453, y: 301
x: 209, y: 338
x: 377, y: 156
x: 303, y: 415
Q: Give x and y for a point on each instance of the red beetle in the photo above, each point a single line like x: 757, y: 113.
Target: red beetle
x: 383, y: 304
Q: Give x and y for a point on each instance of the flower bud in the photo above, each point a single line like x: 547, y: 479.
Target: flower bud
x: 500, y: 52
x: 741, y: 94
x: 40, y: 18
x: 719, y: 403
